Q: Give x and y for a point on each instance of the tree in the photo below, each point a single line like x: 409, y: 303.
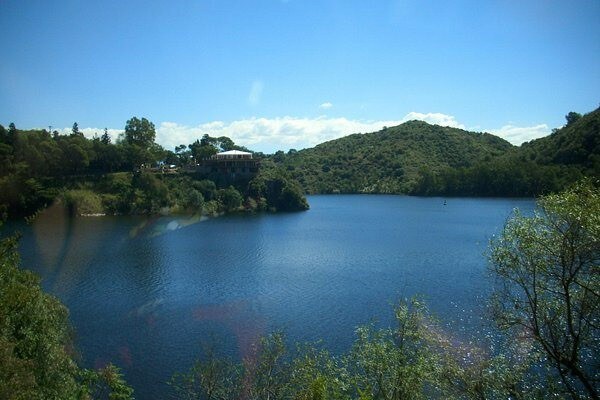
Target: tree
x: 407, y: 361
x: 105, y: 138
x: 75, y: 130
x: 36, y: 357
x: 203, y: 149
x: 12, y: 134
x: 226, y: 144
x: 548, y: 270
x: 572, y: 117
x: 140, y: 132
x: 230, y: 198
x: 3, y: 135
x: 77, y: 158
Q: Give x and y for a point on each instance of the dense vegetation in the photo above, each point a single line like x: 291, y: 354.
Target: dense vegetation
x: 95, y: 176
x: 545, y: 165
x: 387, y: 161
x: 37, y: 356
x: 548, y: 269
x: 422, y: 159
x: 546, y: 303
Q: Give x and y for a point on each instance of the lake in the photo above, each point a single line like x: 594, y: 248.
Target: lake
x: 149, y: 293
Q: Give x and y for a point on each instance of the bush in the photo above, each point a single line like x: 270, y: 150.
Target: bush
x: 280, y: 192
x: 82, y: 202
x: 36, y: 360
x: 230, y: 198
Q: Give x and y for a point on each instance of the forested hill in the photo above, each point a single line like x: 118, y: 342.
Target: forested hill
x: 423, y: 159
x: 95, y: 176
x: 391, y: 160
x: 577, y: 144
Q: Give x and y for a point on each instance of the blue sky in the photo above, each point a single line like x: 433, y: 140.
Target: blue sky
x: 282, y: 74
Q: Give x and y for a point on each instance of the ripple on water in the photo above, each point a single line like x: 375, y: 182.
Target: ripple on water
x: 146, y: 293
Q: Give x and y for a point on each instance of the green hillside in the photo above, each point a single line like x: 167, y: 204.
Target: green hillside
x: 423, y: 159
x: 388, y: 161
x: 577, y: 144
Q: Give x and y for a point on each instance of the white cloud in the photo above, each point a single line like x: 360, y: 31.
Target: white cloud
x: 269, y: 134
x: 521, y: 134
x: 255, y: 93
x: 435, y: 119
x: 91, y: 132
x: 326, y: 106
x: 283, y: 133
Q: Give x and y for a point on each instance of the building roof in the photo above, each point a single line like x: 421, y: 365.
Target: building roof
x: 233, y: 153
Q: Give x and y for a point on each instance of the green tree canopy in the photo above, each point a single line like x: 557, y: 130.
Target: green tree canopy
x: 572, y: 117
x: 140, y: 132
x: 36, y: 357
x: 105, y: 138
x: 548, y: 269
x: 75, y: 130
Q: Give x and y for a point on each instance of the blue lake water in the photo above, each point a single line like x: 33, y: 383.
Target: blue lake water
x: 148, y: 293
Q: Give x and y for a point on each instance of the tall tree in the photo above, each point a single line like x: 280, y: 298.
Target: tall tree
x: 572, y: 117
x: 202, y: 149
x: 75, y: 130
x: 12, y: 133
x: 548, y: 267
x: 140, y: 132
x: 105, y: 138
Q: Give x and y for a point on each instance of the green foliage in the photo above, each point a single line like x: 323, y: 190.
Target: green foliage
x: 75, y: 130
x: 201, y: 150
x: 22, y: 194
x: 150, y: 194
x: 279, y: 191
x: 395, y: 363
x: 36, y: 351
x: 33, y: 334
x: 107, y: 383
x: 413, y: 360
x: 572, y: 117
x: 542, y: 166
x: 96, y: 176
x: 211, y: 379
x: 422, y: 159
x: 387, y: 161
x: 140, y: 132
x: 577, y: 144
x: 207, y: 188
x: 105, y: 139
x: 230, y: 198
x: 83, y: 201
x: 548, y: 270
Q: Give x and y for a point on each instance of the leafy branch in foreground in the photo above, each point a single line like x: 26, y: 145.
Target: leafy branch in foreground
x: 413, y: 360
x: 37, y: 359
x: 548, y: 292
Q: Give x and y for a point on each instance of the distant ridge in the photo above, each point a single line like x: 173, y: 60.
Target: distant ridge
x: 576, y: 144
x: 389, y: 161
x: 418, y: 158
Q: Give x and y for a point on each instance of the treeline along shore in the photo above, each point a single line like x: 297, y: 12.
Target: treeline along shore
x: 135, y: 175
x: 545, y: 267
